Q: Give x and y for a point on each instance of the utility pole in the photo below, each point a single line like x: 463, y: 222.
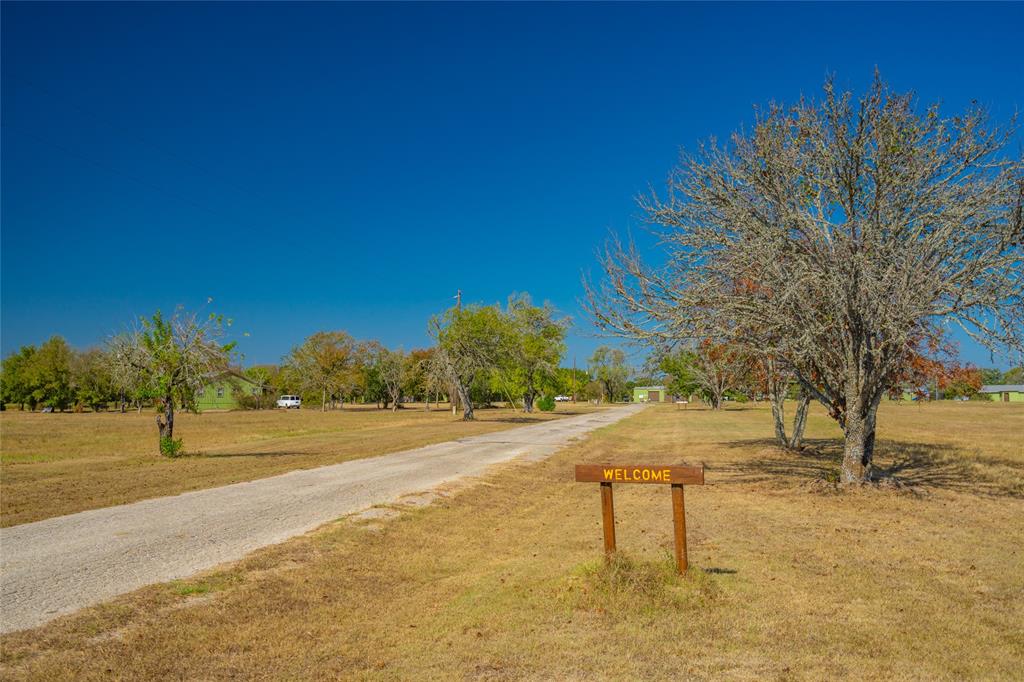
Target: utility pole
x: 455, y: 398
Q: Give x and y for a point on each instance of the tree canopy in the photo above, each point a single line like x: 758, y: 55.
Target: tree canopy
x: 838, y: 235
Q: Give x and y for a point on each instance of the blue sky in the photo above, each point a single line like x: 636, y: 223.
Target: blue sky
x: 343, y: 166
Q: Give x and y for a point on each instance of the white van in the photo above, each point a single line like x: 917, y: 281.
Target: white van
x: 287, y: 402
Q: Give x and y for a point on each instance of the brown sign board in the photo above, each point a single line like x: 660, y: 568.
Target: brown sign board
x: 676, y: 476
x: 617, y: 473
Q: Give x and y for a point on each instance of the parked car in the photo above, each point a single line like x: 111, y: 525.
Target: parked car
x: 562, y: 398
x: 287, y: 402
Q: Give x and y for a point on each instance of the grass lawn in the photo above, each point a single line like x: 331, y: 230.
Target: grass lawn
x: 55, y: 464
x: 791, y: 578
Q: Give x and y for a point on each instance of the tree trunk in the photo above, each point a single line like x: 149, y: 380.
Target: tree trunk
x: 528, y: 402
x: 467, y: 404
x: 856, y: 456
x: 394, y: 405
x: 165, y: 421
x: 323, y: 400
x: 800, y: 420
x: 778, y: 400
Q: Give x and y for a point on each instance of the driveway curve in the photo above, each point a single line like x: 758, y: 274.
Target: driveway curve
x: 56, y: 566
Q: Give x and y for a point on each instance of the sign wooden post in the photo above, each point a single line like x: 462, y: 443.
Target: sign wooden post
x: 608, y: 519
x: 676, y: 476
x: 679, y: 526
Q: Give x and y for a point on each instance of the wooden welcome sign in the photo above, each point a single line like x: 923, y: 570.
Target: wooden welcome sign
x: 676, y: 476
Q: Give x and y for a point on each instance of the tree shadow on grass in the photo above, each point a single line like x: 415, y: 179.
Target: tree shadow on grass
x: 917, y: 465
x: 516, y: 420
x: 229, y: 454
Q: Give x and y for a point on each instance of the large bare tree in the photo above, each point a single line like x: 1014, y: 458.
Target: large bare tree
x: 839, y: 235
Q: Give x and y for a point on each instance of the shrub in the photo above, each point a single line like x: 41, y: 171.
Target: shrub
x: 248, y: 401
x: 546, y: 403
x: 170, y: 447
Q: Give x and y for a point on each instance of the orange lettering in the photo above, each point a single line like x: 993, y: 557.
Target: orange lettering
x: 618, y: 474
x: 636, y: 475
x: 608, y: 474
x: 667, y: 473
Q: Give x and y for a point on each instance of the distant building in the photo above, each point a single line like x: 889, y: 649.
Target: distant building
x: 1004, y: 393
x: 224, y: 393
x: 651, y: 394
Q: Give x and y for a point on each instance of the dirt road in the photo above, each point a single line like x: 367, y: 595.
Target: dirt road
x: 59, y: 565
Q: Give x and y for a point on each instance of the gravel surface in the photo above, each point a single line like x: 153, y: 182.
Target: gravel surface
x: 60, y: 565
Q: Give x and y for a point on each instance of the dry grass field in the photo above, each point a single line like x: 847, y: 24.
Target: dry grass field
x: 55, y: 464
x: 790, y: 579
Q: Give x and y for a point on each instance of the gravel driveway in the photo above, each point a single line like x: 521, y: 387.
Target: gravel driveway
x: 59, y: 565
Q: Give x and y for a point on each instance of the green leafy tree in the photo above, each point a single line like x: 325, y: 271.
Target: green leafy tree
x: 991, y: 375
x: 571, y: 382
x: 594, y: 390
x: 608, y: 366
x: 678, y: 366
x: 535, y: 344
x: 470, y: 343
x: 92, y: 380
x: 324, y: 363
x: 419, y: 384
x: 50, y: 374
x: 1014, y: 376
x: 16, y: 379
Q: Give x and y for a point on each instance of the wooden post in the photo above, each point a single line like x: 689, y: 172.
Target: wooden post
x: 608, y: 516
x: 679, y: 522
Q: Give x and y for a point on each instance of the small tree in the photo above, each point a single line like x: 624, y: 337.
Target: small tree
x: 180, y: 355
x: 960, y: 381
x: 323, y: 363
x: 262, y: 376
x: 717, y: 369
x: 608, y: 367
x: 394, y: 369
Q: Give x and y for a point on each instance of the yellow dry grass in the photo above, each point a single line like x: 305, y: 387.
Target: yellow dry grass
x: 792, y: 578
x: 55, y: 464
